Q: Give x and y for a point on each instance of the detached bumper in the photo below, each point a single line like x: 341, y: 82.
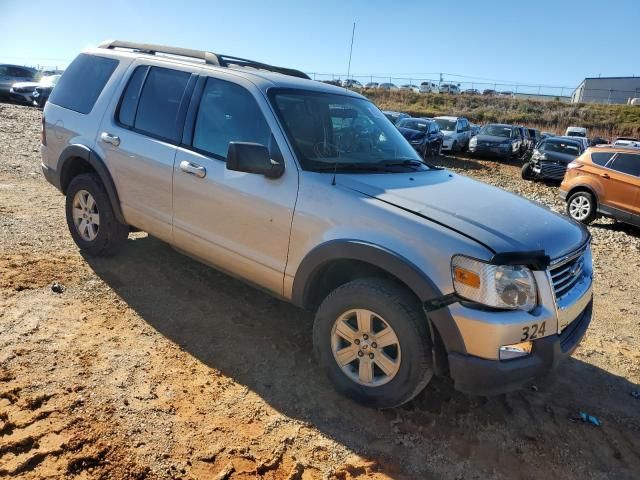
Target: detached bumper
x: 477, y: 376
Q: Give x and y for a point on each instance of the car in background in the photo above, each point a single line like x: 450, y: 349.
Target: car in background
x: 371, y: 85
x: 535, y: 136
x: 473, y: 130
x: 497, y: 139
x: 388, y: 86
x: 576, y: 132
x: 456, y: 131
x: 10, y: 74
x: 429, y: 87
x: 584, y: 141
x: 336, y: 83
x: 489, y: 92
x: 410, y: 88
x: 471, y: 91
x: 604, y: 181
x: 506, y: 93
x: 423, y: 134
x: 550, y: 159
x: 395, y: 117
x: 627, y: 142
x: 548, y: 134
x: 24, y: 92
x: 351, y: 83
x: 451, y: 88
x: 527, y: 144
x: 595, y: 141
x: 44, y: 89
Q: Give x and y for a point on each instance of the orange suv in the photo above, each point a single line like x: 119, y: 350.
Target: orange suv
x: 604, y: 181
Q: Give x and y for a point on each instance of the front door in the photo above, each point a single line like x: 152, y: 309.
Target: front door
x: 622, y: 182
x: 239, y: 222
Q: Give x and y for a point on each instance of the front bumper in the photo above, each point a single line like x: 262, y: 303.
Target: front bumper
x: 489, y: 150
x: 479, y: 376
x: 21, y: 97
x: 447, y: 143
x: 549, y: 170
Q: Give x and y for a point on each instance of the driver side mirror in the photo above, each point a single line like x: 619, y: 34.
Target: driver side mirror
x: 253, y: 158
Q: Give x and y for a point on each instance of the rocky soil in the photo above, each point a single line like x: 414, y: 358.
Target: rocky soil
x: 150, y: 365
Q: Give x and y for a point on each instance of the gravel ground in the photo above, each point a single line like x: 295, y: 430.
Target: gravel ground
x: 150, y: 365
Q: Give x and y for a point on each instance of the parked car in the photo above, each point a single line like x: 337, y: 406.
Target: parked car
x: 473, y: 130
x: 10, y: 74
x: 44, y: 89
x: 488, y: 92
x: 25, y: 92
x: 410, y: 88
x: 548, y: 134
x: 550, y: 159
x: 395, y: 117
x: 423, y: 134
x: 428, y: 87
x: 595, y: 141
x: 388, y: 86
x: 604, y: 181
x: 584, y: 141
x: 576, y: 132
x: 535, y: 136
x: 506, y: 93
x: 496, y: 139
x: 351, y: 83
x: 627, y: 142
x: 527, y: 142
x: 371, y: 85
x: 307, y: 191
x: 449, y: 88
x: 471, y: 91
x: 456, y: 131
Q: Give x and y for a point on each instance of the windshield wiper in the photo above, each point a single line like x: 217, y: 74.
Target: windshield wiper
x: 341, y: 167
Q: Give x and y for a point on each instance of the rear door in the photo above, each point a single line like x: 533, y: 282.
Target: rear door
x: 139, y: 142
x: 239, y: 222
x: 622, y: 181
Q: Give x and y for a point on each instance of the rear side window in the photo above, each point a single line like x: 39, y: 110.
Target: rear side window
x: 82, y: 82
x: 601, y: 158
x: 160, y: 101
x: 627, y: 163
x: 129, y: 102
x: 228, y: 113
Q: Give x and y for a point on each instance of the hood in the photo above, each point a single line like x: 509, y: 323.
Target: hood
x: 559, y: 157
x: 25, y: 85
x: 501, y: 221
x: 411, y: 134
x: 491, y: 139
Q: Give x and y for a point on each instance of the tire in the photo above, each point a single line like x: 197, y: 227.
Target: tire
x: 581, y: 206
x: 390, y: 304
x: 106, y: 237
x: 454, y: 147
x: 527, y: 172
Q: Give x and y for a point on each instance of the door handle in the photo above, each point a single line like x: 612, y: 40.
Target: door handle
x: 193, y: 169
x: 112, y: 139
x: 605, y: 175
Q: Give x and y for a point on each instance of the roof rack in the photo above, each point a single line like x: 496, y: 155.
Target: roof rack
x: 209, y: 58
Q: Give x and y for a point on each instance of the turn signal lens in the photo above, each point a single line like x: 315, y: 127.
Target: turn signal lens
x: 466, y: 277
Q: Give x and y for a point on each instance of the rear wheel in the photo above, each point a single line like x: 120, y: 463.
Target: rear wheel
x: 370, y: 337
x: 581, y: 206
x: 91, y: 219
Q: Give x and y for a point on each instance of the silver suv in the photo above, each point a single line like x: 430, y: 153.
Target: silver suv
x: 307, y: 190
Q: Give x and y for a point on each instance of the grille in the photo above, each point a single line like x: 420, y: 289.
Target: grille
x: 567, y: 274
x: 553, y: 170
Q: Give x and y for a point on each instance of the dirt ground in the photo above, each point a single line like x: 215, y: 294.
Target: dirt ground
x: 150, y: 365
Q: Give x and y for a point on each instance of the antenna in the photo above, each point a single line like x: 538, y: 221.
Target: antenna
x: 353, y: 32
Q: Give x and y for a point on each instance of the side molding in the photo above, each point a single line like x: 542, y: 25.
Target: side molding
x: 65, y: 163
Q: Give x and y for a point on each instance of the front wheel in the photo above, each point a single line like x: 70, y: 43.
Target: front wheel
x: 370, y: 337
x: 581, y: 206
x: 527, y: 171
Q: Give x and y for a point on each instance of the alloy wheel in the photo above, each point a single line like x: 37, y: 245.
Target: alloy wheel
x: 86, y: 217
x: 365, y: 347
x: 580, y: 207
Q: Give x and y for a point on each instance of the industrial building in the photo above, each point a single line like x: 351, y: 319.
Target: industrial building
x: 607, y: 90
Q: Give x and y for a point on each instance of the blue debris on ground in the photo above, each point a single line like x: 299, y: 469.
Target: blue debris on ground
x: 586, y: 418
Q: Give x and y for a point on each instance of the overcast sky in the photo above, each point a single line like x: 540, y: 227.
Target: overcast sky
x: 537, y: 42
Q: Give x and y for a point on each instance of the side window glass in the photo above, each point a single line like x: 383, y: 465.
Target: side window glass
x: 160, y: 101
x: 130, y: 97
x: 601, y: 158
x: 228, y: 113
x: 628, y: 163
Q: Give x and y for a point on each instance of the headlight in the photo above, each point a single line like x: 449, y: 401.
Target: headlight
x: 510, y: 287
x: 473, y: 142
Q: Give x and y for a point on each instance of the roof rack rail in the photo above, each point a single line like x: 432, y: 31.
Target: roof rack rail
x: 209, y: 58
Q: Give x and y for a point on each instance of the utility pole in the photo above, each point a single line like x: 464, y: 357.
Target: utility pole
x: 353, y: 32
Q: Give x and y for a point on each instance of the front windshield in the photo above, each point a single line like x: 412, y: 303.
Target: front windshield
x: 50, y: 81
x: 414, y: 124
x: 329, y: 130
x: 496, y: 131
x: 576, y: 134
x: 446, y: 125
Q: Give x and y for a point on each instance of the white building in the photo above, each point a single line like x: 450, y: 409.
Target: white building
x: 606, y: 90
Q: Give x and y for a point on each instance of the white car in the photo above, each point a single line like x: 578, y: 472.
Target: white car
x: 387, y: 86
x: 576, y: 132
x: 429, y: 87
x: 456, y: 131
x: 449, y: 88
x: 627, y: 142
x: 410, y: 88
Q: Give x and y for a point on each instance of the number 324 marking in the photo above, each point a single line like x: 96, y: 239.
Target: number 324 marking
x: 533, y: 332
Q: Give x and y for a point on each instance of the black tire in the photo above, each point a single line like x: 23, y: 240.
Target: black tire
x: 592, y: 207
x: 402, y: 312
x: 527, y: 172
x: 111, y: 235
x: 454, y: 147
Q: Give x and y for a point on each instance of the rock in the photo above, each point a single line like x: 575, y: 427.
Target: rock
x: 57, y: 287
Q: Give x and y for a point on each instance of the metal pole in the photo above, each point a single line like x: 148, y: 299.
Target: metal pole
x: 353, y: 32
